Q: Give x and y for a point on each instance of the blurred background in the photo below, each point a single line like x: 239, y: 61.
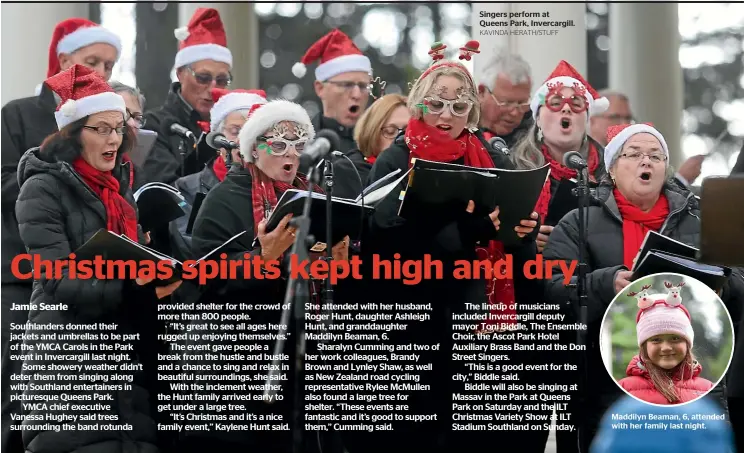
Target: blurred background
x: 711, y: 322
x: 267, y: 38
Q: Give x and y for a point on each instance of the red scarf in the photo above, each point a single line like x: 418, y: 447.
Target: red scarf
x: 204, y: 126
x: 636, y: 224
x: 559, y: 172
x: 121, y: 216
x: 429, y: 143
x: 371, y: 159
x: 219, y: 168
x: 265, y: 192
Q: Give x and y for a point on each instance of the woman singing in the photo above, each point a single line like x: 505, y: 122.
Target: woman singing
x: 561, y: 108
x: 443, y: 127
x: 634, y: 199
x: 71, y: 187
x: 271, y: 141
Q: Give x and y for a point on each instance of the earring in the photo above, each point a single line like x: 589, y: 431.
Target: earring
x: 539, y: 135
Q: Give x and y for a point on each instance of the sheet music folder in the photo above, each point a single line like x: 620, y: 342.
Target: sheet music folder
x: 722, y: 221
x: 443, y: 190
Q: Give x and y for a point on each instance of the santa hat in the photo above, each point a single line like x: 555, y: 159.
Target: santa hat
x: 619, y: 134
x: 263, y: 116
x: 74, y: 34
x: 567, y: 75
x: 203, y: 39
x: 82, y: 92
x: 337, y: 54
x: 226, y: 102
x: 661, y: 314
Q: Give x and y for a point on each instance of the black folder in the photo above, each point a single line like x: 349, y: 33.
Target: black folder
x: 158, y: 204
x: 348, y: 215
x: 722, y: 220
x: 198, y: 200
x: 110, y: 246
x: 442, y: 190
x: 660, y: 254
x: 563, y: 201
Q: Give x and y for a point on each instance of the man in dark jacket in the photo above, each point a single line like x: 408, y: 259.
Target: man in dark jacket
x: 342, y: 82
x: 26, y: 123
x: 203, y: 62
x: 504, y: 87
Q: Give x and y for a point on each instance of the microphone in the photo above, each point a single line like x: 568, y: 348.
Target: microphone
x: 217, y: 140
x: 573, y: 160
x: 498, y: 144
x: 181, y: 131
x: 325, y: 141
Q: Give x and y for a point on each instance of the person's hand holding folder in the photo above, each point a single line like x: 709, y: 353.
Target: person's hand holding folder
x: 160, y: 291
x: 524, y: 228
x: 281, y: 238
x: 543, y: 236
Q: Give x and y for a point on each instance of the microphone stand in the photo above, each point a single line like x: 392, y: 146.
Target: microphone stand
x: 328, y: 179
x: 295, y: 298
x: 583, y: 193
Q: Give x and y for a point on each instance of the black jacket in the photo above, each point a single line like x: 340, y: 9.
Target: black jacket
x: 345, y: 135
x: 57, y: 213
x: 513, y: 137
x: 350, y: 174
x: 605, y: 258
x: 25, y: 124
x: 165, y: 162
x: 189, y: 186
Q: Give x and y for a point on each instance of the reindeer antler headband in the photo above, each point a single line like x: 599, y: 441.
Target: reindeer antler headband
x: 672, y: 298
x: 437, y: 53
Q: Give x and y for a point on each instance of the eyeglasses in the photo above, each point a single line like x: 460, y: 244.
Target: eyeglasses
x: 280, y: 146
x: 364, y: 87
x: 655, y: 158
x: 510, y: 105
x: 458, y: 107
x: 139, y: 119
x: 106, y: 130
x: 205, y: 78
x: 576, y: 103
x: 391, y: 131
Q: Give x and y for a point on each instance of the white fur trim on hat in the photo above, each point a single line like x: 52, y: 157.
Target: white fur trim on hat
x: 616, y: 144
x: 73, y: 110
x: 539, y: 96
x: 232, y: 102
x: 264, y: 117
x: 339, y: 65
x: 662, y: 319
x: 199, y: 52
x: 86, y: 36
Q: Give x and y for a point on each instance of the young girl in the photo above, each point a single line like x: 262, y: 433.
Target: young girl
x: 665, y: 371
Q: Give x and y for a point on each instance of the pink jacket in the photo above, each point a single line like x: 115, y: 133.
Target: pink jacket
x: 638, y: 383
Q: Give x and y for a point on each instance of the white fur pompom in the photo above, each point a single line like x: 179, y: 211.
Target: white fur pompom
x: 600, y: 105
x: 181, y: 33
x: 69, y: 108
x: 299, y: 70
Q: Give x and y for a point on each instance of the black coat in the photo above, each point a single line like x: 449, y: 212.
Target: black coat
x: 350, y: 175
x: 345, y: 135
x: 445, y: 241
x: 513, y: 137
x: 165, y: 162
x: 58, y: 213
x: 605, y: 258
x: 25, y: 124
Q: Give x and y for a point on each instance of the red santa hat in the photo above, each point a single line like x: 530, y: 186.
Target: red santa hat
x: 203, y: 39
x: 337, y: 54
x: 263, y: 116
x: 567, y: 75
x: 74, y: 34
x: 83, y: 92
x: 227, y: 101
x: 619, y: 134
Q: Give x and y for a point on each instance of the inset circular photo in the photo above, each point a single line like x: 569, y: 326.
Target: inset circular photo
x: 667, y: 339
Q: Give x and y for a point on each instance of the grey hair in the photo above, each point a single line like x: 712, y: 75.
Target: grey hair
x: 221, y: 124
x: 119, y: 87
x: 608, y: 93
x: 423, y: 86
x: 528, y: 155
x: 505, y: 63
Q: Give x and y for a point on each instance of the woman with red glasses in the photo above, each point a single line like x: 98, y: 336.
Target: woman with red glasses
x: 561, y: 108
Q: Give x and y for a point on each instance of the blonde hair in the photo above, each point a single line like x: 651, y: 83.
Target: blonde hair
x: 368, y: 129
x: 527, y: 153
x: 662, y: 379
x: 423, y: 86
